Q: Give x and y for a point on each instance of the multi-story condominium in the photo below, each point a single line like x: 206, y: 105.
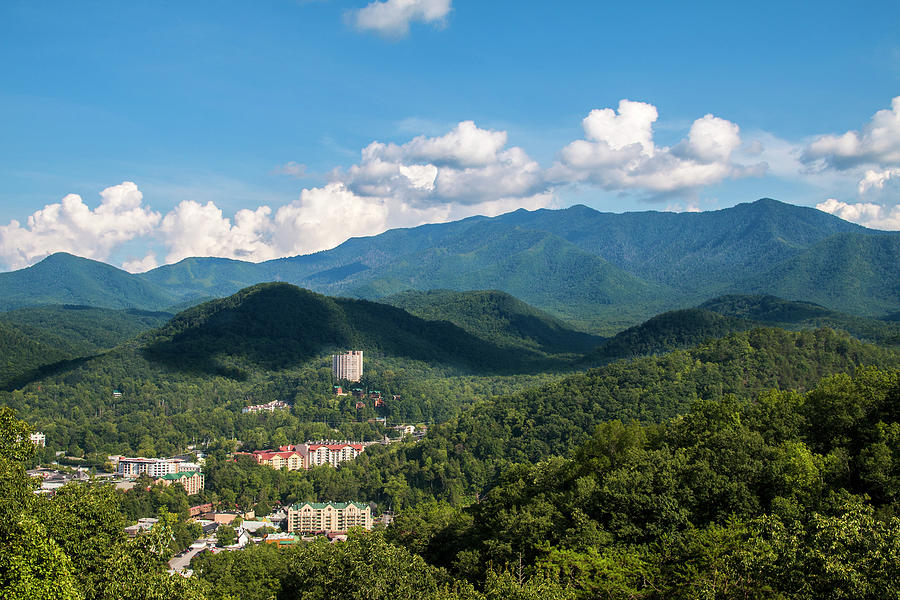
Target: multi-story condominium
x: 303, y: 456
x: 328, y: 517
x: 347, y: 366
x: 331, y: 454
x: 38, y: 439
x: 192, y: 481
x: 154, y: 467
x: 290, y: 459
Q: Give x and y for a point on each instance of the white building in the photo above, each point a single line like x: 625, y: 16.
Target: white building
x: 347, y: 366
x: 331, y: 454
x: 38, y: 439
x: 154, y: 467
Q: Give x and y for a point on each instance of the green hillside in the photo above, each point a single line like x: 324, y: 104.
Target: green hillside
x: 65, y: 279
x: 536, y: 267
x: 853, y: 273
x: 88, y: 328
x: 496, y: 316
x: 551, y: 420
x: 791, y: 314
x: 276, y: 325
x: 603, y: 272
x: 35, y: 339
x: 23, y: 351
x: 693, y: 252
x: 666, y: 332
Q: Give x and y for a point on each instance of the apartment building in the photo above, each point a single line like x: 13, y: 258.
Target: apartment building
x: 328, y: 517
x: 331, y: 453
x: 154, y: 467
x: 347, y: 366
x: 290, y: 459
x: 191, y: 481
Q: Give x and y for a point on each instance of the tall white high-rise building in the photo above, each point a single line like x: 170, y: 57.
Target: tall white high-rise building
x: 347, y: 366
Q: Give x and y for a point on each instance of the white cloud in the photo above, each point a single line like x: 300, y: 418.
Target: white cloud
x: 71, y: 226
x: 141, y: 265
x: 876, y: 180
x: 291, y: 169
x: 867, y: 214
x: 619, y: 153
x: 194, y: 229
x: 467, y: 165
x: 392, y: 17
x: 877, y: 143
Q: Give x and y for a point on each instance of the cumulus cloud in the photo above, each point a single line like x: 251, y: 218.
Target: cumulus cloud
x: 868, y: 214
x: 393, y: 17
x: 141, y: 265
x: 618, y: 152
x: 71, y: 226
x: 194, y: 229
x: 878, y: 142
x: 467, y: 165
x: 876, y: 180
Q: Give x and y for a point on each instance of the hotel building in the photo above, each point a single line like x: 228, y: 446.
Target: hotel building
x: 328, y: 517
x: 347, y: 366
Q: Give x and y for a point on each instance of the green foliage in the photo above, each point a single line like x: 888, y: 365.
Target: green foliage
x: 666, y: 332
x: 788, y: 314
x: 65, y: 279
x: 73, y: 544
x: 497, y: 317
x: 225, y: 535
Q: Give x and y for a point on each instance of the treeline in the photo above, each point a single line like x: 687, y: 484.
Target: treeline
x: 459, y: 458
x: 73, y: 546
x: 788, y: 495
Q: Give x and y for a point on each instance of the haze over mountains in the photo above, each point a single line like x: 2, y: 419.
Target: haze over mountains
x: 601, y: 271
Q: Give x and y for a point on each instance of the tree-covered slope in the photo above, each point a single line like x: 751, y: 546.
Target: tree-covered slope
x: 606, y: 271
x: 496, y: 316
x: 36, y: 340
x: 666, y: 332
x: 539, y: 268
x: 88, y: 328
x: 792, y: 314
x: 540, y: 422
x: 855, y: 273
x: 278, y: 325
x: 23, y: 351
x: 65, y: 279
x: 692, y: 251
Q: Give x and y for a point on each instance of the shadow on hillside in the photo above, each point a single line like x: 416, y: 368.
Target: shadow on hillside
x: 32, y: 375
x: 260, y: 334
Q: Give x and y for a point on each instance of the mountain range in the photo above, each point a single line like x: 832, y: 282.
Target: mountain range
x: 602, y: 272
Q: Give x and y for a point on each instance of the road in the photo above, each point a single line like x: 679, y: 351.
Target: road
x: 181, y: 562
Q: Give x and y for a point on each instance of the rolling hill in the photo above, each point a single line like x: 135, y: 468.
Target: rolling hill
x: 497, y: 316
x: 62, y: 278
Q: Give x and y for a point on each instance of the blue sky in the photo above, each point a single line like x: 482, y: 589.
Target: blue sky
x: 256, y: 130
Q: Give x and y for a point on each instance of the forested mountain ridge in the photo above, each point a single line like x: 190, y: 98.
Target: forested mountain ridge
x: 602, y: 271
x: 62, y: 278
x: 495, y: 315
x: 732, y: 313
x: 33, y: 340
x: 278, y: 325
